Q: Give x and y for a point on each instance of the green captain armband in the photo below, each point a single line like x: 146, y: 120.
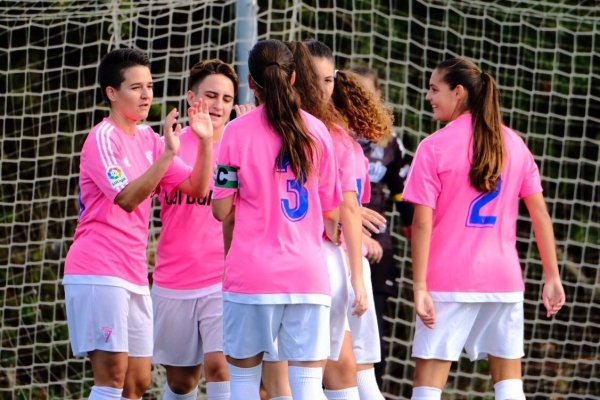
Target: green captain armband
x: 226, y: 177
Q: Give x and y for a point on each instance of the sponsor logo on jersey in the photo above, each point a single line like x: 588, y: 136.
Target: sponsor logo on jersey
x: 116, y: 176
x: 179, y: 198
x: 226, y: 177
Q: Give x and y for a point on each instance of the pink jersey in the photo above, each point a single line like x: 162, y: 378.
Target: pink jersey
x: 277, y: 255
x: 344, y: 154
x: 190, y: 252
x: 110, y: 244
x: 363, y: 182
x: 361, y: 170
x: 473, y: 243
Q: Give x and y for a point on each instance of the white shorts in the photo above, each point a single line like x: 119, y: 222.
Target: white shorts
x: 293, y: 332
x: 108, y: 318
x: 479, y: 328
x: 364, y: 329
x: 338, y: 276
x: 184, y: 330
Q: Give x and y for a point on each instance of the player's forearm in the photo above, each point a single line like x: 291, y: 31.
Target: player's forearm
x: 420, y: 245
x: 141, y: 188
x: 350, y: 218
x: 228, y: 225
x: 544, y: 235
x: 202, y: 171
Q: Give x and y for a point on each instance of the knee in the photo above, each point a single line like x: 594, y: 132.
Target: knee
x: 216, y: 371
x: 141, y: 385
x: 182, y: 384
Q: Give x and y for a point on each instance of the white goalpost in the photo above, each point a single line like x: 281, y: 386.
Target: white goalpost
x: 544, y: 54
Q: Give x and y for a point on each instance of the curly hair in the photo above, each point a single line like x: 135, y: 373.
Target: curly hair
x: 369, y: 118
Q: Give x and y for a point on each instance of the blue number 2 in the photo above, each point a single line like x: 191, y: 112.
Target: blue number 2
x: 475, y: 219
x: 300, y: 194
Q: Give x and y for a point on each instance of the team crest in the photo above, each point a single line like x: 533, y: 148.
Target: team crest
x: 149, y: 156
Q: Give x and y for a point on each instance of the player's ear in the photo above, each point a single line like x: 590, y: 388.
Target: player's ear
x: 190, y: 97
x: 251, y: 83
x: 460, y: 92
x: 293, y: 78
x: 111, y: 93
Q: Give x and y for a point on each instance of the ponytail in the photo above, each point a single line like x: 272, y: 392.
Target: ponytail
x: 271, y: 66
x: 308, y: 88
x: 488, y: 139
x: 483, y: 102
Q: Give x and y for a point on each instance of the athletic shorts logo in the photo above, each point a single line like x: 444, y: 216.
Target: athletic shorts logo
x: 226, y: 177
x: 116, y: 177
x: 106, y: 331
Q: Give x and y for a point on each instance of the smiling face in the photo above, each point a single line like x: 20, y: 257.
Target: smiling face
x: 325, y: 69
x: 218, y: 91
x: 134, y: 97
x: 447, y: 103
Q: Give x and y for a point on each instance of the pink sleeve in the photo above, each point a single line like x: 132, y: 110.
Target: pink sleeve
x: 330, y: 190
x: 423, y: 184
x: 226, y: 183
x: 344, y: 153
x: 366, y: 198
x: 531, y: 178
x: 102, y: 161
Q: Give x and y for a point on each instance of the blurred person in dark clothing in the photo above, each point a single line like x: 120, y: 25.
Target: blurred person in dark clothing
x: 388, y: 167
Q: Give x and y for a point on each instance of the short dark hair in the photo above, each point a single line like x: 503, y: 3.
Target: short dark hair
x: 115, y: 63
x: 212, y: 67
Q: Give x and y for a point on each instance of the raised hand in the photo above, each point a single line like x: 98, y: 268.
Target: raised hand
x: 553, y: 296
x: 172, y: 142
x: 243, y: 109
x: 200, y: 121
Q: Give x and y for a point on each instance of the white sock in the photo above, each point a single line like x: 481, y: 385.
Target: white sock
x: 426, y: 393
x: 281, y: 398
x: 169, y: 395
x: 306, y: 383
x: 344, y: 394
x: 367, y: 385
x: 105, y: 393
x: 245, y: 382
x: 509, y: 389
x: 218, y: 391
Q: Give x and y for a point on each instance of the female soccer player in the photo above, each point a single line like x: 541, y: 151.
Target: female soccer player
x: 106, y: 270
x: 276, y: 164
x: 388, y: 166
x: 186, y: 292
x: 367, y: 119
x: 466, y: 181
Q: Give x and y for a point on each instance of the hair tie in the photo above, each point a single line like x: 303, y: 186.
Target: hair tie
x: 254, y: 80
x: 335, y: 73
x: 273, y: 63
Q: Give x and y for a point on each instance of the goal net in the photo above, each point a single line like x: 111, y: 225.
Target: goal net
x: 544, y: 54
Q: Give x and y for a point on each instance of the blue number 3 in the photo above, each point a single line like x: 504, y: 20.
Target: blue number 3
x: 300, y: 194
x: 475, y: 219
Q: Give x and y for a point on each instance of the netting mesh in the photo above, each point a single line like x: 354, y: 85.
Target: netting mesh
x: 545, y: 56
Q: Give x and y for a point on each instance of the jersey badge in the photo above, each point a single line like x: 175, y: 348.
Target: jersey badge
x: 116, y: 176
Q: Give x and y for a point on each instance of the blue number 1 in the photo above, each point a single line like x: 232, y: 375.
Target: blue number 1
x: 474, y: 219
x: 300, y: 194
